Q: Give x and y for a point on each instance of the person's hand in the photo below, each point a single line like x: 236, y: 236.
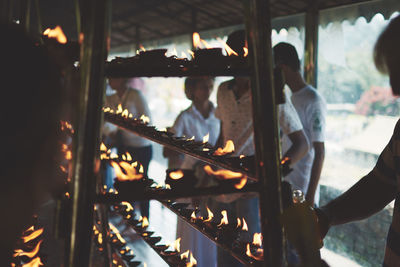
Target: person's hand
x: 323, y: 222
x: 310, y: 199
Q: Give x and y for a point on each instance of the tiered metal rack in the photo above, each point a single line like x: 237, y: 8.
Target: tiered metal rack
x: 87, y: 183
x: 94, y: 25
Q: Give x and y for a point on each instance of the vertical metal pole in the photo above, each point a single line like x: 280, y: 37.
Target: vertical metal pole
x: 39, y: 16
x: 78, y: 16
x: 26, y: 14
x: 194, y: 26
x: 94, y: 48
x: 265, y: 130
x: 138, y: 37
x: 6, y: 10
x: 311, y: 44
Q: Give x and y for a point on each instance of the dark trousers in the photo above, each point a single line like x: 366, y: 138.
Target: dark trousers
x: 143, y: 155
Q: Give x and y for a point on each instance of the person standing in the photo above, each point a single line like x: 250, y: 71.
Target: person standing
x: 311, y: 108
x: 198, y: 120
x: 235, y: 112
x: 125, y: 141
x: 382, y: 185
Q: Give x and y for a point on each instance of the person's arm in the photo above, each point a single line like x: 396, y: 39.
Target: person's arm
x: 316, y: 169
x: 298, y: 148
x: 362, y: 200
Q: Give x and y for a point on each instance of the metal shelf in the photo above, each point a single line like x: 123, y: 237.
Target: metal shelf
x: 183, y: 146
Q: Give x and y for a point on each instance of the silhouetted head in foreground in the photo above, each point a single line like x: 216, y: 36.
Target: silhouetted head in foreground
x: 387, y: 53
x: 30, y: 120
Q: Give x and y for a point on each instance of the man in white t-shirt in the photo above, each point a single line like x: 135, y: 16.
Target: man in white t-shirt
x: 311, y: 108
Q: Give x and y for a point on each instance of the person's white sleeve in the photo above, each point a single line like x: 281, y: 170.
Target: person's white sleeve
x: 218, y: 111
x: 317, y: 121
x: 179, y: 126
x: 137, y: 104
x: 289, y: 120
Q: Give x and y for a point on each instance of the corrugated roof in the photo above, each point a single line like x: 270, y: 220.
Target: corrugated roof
x: 135, y: 21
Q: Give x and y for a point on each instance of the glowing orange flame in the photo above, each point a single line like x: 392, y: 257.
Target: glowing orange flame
x: 116, y: 232
x: 119, y: 109
x: 185, y: 255
x: 103, y: 147
x: 239, y: 223
x: 242, y: 183
x: 128, y: 206
x: 206, y: 138
x: 177, y: 244
x: 68, y: 155
x: 284, y: 160
x: 128, y: 156
x: 130, y: 170
x: 141, y: 47
x: 242, y: 156
x: 224, y: 219
x: 207, y: 45
x: 176, y: 175
x: 56, y: 33
x: 32, y: 235
x: 223, y: 174
x: 196, y: 40
x: 66, y: 125
x: 193, y: 215
x: 145, y: 119
x: 191, y: 53
x: 245, y: 228
x: 31, y: 254
x: 125, y: 113
x: 145, y: 222
x: 210, y: 215
x: 63, y: 169
x: 228, y: 49
x: 246, y: 51
x: 228, y: 148
x: 106, y: 109
x: 100, y: 238
x: 192, y: 261
x: 34, y: 263
x: 257, y: 239
x: 259, y: 255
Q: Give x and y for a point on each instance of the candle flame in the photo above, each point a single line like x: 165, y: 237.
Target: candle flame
x: 32, y: 235
x: 206, y: 138
x: 224, y: 219
x: 210, y: 215
x: 228, y: 49
x: 34, y: 263
x: 257, y: 239
x: 196, y: 40
x: 185, y: 255
x: 191, y: 53
x: 239, y: 223
x: 128, y: 206
x: 192, y: 262
x: 246, y: 51
x: 141, y: 47
x: 245, y: 228
x: 177, y: 245
x: 145, y: 222
x: 242, y: 183
x: 228, y: 148
x: 31, y: 254
x: 193, y: 215
x: 100, y: 238
x: 207, y: 45
x: 223, y: 174
x: 56, y: 33
x: 131, y: 173
x: 103, y: 147
x: 259, y: 255
x: 119, y: 109
x: 145, y: 119
x: 125, y: 113
x: 176, y: 175
x: 128, y: 156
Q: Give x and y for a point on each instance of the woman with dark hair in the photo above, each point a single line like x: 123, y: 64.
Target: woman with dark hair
x: 382, y: 185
